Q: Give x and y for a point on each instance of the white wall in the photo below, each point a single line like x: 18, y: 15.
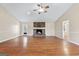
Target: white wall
x: 73, y: 16
x: 9, y: 26
x: 49, y: 29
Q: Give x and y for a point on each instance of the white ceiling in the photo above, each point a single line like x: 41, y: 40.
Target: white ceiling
x: 21, y: 10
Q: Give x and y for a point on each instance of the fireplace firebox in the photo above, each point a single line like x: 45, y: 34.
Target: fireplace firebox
x: 39, y: 32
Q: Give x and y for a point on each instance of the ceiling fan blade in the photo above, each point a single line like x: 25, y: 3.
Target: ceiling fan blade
x: 46, y: 6
x: 38, y: 5
x: 35, y: 10
x: 45, y: 11
x: 39, y: 12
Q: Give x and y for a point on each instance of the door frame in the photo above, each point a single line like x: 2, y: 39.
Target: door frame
x: 63, y: 28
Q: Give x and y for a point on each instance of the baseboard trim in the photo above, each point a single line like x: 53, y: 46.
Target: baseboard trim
x: 59, y: 37
x: 9, y: 38
x: 73, y: 42
x: 22, y: 35
x: 68, y: 40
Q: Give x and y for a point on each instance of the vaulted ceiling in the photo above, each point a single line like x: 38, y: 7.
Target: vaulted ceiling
x: 24, y: 11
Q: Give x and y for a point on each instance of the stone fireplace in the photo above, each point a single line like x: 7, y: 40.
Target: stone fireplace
x: 38, y: 28
x: 39, y: 32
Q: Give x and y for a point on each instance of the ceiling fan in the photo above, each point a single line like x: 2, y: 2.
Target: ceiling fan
x: 41, y: 8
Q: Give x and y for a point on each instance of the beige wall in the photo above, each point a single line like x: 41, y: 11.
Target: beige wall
x: 50, y: 29
x: 73, y: 16
x: 9, y: 26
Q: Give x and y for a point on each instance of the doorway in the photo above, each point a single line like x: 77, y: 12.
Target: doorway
x: 65, y: 29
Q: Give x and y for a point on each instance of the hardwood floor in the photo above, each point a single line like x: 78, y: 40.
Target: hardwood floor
x: 38, y: 46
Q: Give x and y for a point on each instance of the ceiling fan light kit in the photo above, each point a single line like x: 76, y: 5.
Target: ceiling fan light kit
x: 42, y: 8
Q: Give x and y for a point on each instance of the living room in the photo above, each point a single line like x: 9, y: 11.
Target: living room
x: 39, y: 29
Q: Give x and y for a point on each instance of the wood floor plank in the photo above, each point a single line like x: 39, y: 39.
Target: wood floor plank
x: 38, y: 46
